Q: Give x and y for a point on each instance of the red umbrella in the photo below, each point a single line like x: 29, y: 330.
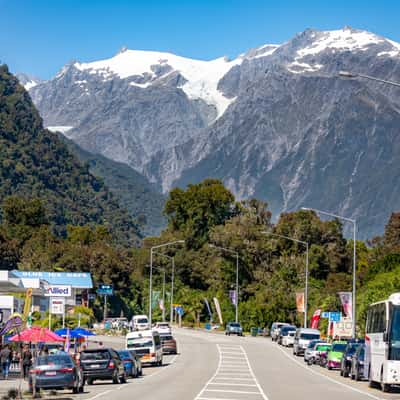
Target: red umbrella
x: 36, y: 335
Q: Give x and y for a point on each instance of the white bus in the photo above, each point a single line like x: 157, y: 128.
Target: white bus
x: 382, y: 343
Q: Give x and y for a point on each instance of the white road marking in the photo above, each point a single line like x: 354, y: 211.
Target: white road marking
x: 230, y: 376
x: 328, y: 378
x: 100, y: 394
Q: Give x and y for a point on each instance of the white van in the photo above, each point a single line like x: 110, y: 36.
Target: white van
x: 140, y: 322
x: 302, y: 339
x: 147, y: 345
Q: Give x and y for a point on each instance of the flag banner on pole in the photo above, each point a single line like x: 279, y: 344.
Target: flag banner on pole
x: 155, y: 298
x: 315, y: 319
x: 208, y: 308
x: 346, y: 298
x: 161, y: 304
x: 68, y: 341
x: 300, y: 302
x: 232, y: 296
x: 218, y: 308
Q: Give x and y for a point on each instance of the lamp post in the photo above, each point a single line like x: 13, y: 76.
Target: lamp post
x: 151, y: 274
x: 171, y: 315
x: 307, y: 261
x: 348, y: 74
x: 353, y: 221
x: 237, y: 276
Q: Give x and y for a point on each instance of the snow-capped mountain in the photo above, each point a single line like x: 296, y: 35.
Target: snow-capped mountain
x: 28, y: 81
x: 276, y: 122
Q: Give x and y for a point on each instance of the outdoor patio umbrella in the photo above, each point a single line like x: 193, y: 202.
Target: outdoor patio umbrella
x: 72, y: 334
x: 83, y: 332
x: 37, y: 335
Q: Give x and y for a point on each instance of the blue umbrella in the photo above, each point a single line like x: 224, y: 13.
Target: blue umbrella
x: 83, y: 332
x: 64, y: 332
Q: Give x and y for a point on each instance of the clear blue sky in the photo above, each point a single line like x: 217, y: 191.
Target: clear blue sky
x: 38, y: 37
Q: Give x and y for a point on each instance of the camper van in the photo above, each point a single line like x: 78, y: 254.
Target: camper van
x: 147, y: 345
x: 140, y: 323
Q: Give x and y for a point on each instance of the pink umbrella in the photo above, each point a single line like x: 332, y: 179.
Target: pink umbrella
x: 36, y: 335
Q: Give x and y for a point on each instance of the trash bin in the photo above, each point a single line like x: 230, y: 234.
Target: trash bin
x: 254, y: 331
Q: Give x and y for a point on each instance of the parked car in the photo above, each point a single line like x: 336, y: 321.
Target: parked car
x: 284, y: 331
x: 233, y: 328
x: 320, y: 349
x: 102, y: 364
x: 309, y: 351
x: 334, y: 356
x: 302, y: 339
x: 162, y: 328
x: 275, y: 327
x: 56, y: 371
x: 138, y: 361
x: 357, y: 363
x: 345, y: 364
x: 168, y: 344
x: 129, y: 363
x: 288, y: 340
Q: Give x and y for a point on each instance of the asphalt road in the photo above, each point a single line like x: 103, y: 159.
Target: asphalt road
x: 211, y: 366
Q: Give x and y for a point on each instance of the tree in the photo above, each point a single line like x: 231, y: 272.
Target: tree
x: 197, y: 209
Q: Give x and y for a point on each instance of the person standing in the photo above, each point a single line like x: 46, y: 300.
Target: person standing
x: 5, y: 359
x: 26, y: 361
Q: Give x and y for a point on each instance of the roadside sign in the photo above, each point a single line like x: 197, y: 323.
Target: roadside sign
x: 57, y: 305
x: 58, y: 291
x: 105, y: 290
x: 325, y: 314
x: 335, y: 316
x: 179, y: 310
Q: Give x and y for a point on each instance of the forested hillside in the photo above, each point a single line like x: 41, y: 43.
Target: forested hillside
x: 35, y: 163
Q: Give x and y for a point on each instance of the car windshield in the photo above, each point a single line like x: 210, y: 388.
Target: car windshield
x: 352, y: 349
x: 142, y: 321
x: 361, y: 354
x: 323, y: 347
x: 95, y: 355
x: 234, y: 325
x: 141, y: 344
x: 55, y: 360
x: 339, y: 347
x: 394, y: 342
x: 309, y: 336
x: 163, y: 338
x: 286, y: 329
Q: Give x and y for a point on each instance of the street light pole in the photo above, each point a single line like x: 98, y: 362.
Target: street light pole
x: 151, y: 274
x: 348, y: 74
x: 237, y: 277
x: 306, y: 280
x: 353, y: 221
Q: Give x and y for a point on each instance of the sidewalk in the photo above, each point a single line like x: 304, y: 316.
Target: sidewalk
x: 13, y: 382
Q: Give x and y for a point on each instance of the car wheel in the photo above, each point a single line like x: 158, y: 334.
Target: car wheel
x: 75, y: 390
x: 329, y: 367
x: 346, y: 373
x: 90, y: 381
x: 81, y: 389
x: 341, y: 372
x: 122, y: 379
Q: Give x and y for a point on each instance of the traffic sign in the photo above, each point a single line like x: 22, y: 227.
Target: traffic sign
x: 335, y: 316
x: 105, y: 290
x: 325, y: 314
x: 179, y: 310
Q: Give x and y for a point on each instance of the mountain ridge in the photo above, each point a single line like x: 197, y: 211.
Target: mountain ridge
x: 284, y: 112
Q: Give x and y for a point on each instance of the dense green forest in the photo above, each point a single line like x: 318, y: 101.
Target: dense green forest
x: 36, y: 163
x: 271, y: 269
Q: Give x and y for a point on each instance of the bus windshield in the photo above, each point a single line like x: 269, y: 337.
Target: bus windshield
x: 394, y: 340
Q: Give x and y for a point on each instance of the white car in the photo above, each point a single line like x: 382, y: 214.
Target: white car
x: 162, y: 328
x: 288, y: 340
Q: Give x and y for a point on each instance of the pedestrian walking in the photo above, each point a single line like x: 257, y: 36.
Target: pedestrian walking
x: 26, y: 361
x: 5, y: 360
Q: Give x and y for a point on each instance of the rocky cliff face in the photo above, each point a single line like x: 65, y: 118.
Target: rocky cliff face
x: 276, y: 123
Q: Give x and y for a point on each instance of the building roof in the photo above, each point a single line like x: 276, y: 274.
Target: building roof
x: 80, y: 280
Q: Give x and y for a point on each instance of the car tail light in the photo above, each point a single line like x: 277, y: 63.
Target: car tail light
x: 64, y: 370
x: 35, y: 371
x: 111, y: 364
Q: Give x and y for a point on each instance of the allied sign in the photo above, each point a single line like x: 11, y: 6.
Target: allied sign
x: 58, y: 291
x: 57, y: 305
x: 105, y: 290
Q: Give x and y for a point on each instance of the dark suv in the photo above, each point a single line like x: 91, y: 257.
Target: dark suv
x: 351, y: 348
x: 102, y: 364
